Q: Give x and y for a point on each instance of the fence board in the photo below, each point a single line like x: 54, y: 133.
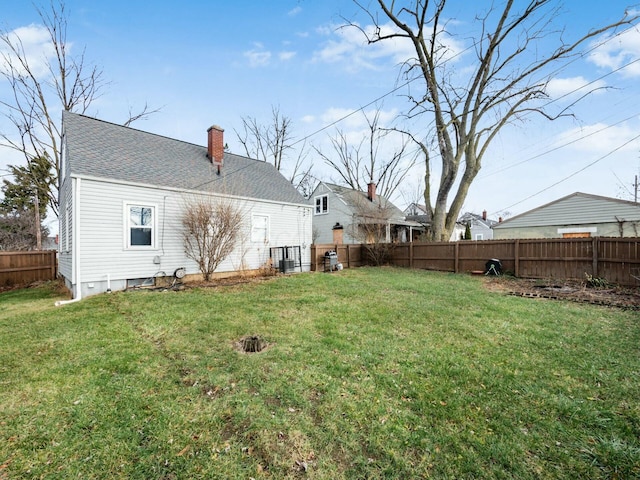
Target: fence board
x: 23, y: 268
x: 616, y: 260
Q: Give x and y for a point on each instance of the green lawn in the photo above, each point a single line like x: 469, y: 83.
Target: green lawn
x: 369, y: 373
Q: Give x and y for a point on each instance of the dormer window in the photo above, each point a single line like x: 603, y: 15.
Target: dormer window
x: 322, y: 204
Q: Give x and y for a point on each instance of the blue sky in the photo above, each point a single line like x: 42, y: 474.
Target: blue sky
x: 213, y: 62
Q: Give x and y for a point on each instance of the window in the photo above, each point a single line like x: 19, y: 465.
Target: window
x: 322, y: 204
x: 479, y: 236
x: 578, y: 232
x: 140, y: 226
x: 260, y: 228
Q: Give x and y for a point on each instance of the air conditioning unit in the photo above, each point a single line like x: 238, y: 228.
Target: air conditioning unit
x: 287, y: 265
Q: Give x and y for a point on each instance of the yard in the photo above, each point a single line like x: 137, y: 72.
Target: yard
x: 366, y: 373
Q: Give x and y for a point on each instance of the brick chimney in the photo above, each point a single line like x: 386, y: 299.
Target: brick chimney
x: 215, y: 145
x: 484, y: 214
x: 371, y: 191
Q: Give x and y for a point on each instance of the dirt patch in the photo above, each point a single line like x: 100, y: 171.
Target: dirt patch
x: 251, y: 344
x: 610, y: 296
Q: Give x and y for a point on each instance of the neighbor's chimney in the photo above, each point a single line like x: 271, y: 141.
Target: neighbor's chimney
x: 484, y: 214
x: 499, y: 219
x: 371, y: 191
x: 215, y: 145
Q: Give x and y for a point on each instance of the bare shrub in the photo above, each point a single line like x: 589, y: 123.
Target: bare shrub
x: 211, y: 232
x: 372, y: 228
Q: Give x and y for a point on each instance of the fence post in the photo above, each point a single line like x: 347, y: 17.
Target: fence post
x: 456, y: 259
x: 52, y: 260
x: 411, y: 255
x: 595, y: 246
x: 516, y: 257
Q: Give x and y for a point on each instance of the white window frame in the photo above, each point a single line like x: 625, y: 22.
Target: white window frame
x: 479, y: 236
x: 319, y: 204
x: 127, y: 225
x: 260, y: 228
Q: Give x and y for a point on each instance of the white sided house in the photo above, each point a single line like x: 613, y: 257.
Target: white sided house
x: 124, y: 193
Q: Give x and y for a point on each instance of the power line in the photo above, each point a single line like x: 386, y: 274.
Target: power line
x: 560, y: 146
x: 574, y: 173
x: 459, y: 53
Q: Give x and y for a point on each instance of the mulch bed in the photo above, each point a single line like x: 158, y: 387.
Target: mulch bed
x: 566, y: 290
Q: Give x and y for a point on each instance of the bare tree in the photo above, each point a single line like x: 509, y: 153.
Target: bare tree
x: 19, y: 230
x: 272, y: 143
x: 466, y: 111
x: 212, y: 230
x: 359, y: 164
x: 42, y: 87
x: 39, y: 92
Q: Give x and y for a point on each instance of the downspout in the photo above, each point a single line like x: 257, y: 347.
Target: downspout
x: 75, y: 193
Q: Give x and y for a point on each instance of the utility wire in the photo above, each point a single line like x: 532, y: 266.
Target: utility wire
x: 559, y: 146
x: 574, y: 173
x: 459, y: 53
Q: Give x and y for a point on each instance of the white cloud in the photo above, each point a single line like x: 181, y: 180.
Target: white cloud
x: 36, y: 45
x: 614, y: 51
x: 294, y: 11
x: 258, y: 56
x: 599, y: 138
x: 284, y: 56
x: 574, y: 86
x: 348, y: 46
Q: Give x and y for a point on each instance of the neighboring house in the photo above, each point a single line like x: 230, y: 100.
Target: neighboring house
x: 418, y: 213
x: 480, y: 226
x: 576, y: 215
x: 344, y: 215
x: 124, y: 192
x: 50, y: 243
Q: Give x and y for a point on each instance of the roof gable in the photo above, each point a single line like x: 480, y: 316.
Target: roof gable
x: 576, y: 209
x: 359, y: 203
x: 105, y: 150
x: 476, y: 220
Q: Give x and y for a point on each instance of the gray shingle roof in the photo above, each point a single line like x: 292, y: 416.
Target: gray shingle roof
x: 101, y: 149
x: 359, y: 202
x: 576, y: 209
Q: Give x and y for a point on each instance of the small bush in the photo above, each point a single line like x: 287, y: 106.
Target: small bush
x: 596, y: 282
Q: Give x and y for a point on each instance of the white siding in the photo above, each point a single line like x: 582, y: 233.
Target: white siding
x: 65, y: 245
x: 103, y: 233
x: 576, y: 209
x: 602, y: 215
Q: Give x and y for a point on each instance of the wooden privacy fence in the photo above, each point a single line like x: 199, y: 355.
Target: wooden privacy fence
x: 23, y: 268
x: 616, y: 260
